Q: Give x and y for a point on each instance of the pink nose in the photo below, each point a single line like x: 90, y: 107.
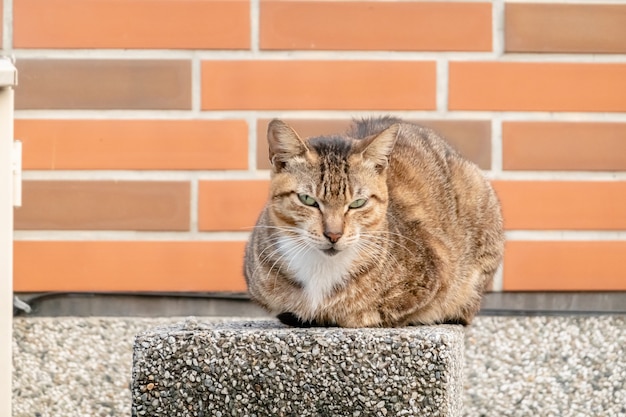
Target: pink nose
x: 333, y: 237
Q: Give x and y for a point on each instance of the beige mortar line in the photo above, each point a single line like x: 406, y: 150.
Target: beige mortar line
x: 573, y: 176
x: 194, y: 207
x: 442, y: 82
x: 243, y: 234
x: 7, y: 27
x: 315, y: 55
x: 262, y: 175
x: 248, y: 115
x: 496, y: 145
x: 144, y: 175
x: 252, y: 142
x: 498, y: 28
x: 125, y: 235
x: 196, y: 85
x: 566, y: 235
x: 255, y: 16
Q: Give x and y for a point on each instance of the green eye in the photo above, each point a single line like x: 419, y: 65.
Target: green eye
x: 358, y: 203
x: 307, y: 200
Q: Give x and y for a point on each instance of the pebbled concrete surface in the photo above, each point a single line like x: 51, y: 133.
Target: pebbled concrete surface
x: 514, y: 366
x: 546, y: 366
x: 263, y: 368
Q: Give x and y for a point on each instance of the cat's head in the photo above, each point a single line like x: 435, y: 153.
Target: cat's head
x: 328, y: 191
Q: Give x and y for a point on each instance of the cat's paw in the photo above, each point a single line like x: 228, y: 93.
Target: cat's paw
x: 457, y: 321
x: 292, y: 320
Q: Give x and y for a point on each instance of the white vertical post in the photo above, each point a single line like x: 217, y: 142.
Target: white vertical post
x: 8, y: 79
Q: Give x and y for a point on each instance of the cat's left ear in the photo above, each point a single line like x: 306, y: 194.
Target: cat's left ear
x: 378, y: 148
x: 284, y: 143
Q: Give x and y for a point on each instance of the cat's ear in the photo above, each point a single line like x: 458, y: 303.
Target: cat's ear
x: 376, y: 149
x: 284, y: 143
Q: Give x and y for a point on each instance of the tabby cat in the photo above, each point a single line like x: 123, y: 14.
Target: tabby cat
x: 386, y: 225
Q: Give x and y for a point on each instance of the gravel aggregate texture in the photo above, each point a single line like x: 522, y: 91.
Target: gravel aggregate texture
x: 263, y: 368
x: 514, y: 366
x: 546, y: 366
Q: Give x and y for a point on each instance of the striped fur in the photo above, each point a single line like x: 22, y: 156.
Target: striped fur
x: 384, y: 226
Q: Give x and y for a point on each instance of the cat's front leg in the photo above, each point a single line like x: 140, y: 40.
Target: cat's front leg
x: 369, y: 318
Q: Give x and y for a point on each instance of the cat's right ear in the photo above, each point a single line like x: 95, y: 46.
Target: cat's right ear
x: 284, y: 144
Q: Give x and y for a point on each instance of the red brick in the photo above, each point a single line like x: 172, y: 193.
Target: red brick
x: 133, y: 144
x: 103, y: 84
x: 156, y: 24
x: 231, y: 205
x: 565, y: 266
x: 104, y: 205
x: 563, y: 205
x: 575, y: 28
x: 564, y: 146
x: 510, y: 86
x: 318, y: 85
x: 375, y: 25
x: 128, y: 266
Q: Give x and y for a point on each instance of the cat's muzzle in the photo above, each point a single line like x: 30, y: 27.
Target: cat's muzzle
x: 331, y: 251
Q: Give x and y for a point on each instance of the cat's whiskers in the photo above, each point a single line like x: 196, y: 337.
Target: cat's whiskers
x: 303, y: 245
x: 267, y: 257
x: 379, y: 234
x: 372, y: 248
x: 400, y: 235
x: 300, y: 241
x: 269, y: 271
x: 273, y: 241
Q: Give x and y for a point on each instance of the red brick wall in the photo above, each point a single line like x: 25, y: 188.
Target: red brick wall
x: 143, y: 126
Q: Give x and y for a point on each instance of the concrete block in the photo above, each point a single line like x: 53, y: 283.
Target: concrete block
x: 263, y: 368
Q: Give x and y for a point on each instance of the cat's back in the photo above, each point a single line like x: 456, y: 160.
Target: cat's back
x: 430, y: 182
x: 416, y: 145
x: 421, y: 162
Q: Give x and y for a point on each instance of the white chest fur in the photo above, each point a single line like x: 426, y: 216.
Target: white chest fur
x: 318, y: 273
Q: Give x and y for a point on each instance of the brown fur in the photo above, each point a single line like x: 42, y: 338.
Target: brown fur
x: 421, y: 250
